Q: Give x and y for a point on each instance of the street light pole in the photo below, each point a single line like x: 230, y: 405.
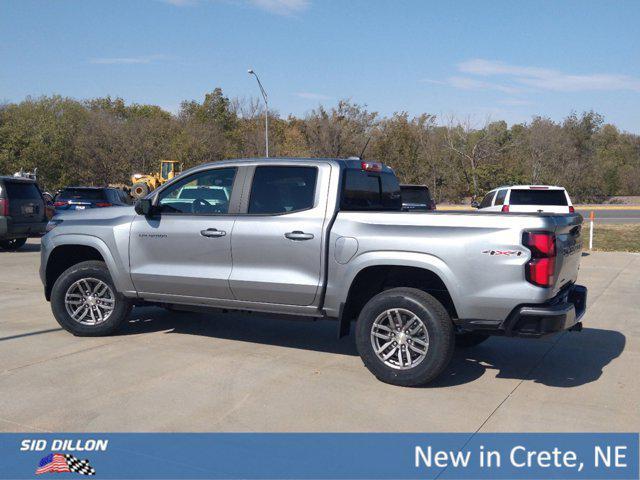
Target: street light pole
x: 266, y: 115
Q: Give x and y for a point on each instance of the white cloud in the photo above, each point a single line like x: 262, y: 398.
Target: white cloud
x: 515, y: 102
x: 466, y: 83
x: 179, y: 3
x: 312, y: 96
x: 433, y: 81
x: 125, y: 60
x: 281, y: 7
x: 278, y: 7
x: 548, y: 79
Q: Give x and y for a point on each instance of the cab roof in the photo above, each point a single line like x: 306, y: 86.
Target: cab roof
x: 344, y: 163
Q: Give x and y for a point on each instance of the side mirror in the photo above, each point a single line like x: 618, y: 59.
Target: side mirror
x: 475, y: 204
x: 144, y: 206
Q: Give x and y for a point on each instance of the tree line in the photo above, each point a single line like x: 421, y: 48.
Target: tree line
x: 103, y: 141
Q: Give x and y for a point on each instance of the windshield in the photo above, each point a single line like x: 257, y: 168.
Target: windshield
x: 538, y: 197
x: 81, y: 194
x: 166, y: 168
x: 415, y: 195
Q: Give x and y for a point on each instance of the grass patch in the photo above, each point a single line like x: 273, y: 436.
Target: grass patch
x: 614, y: 238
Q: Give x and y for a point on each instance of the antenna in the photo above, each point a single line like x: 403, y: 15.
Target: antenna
x: 361, y: 157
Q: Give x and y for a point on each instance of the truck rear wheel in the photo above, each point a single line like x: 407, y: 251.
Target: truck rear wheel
x: 405, y: 337
x: 85, y: 301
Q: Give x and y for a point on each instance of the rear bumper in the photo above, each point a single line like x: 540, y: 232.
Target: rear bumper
x: 9, y: 230
x: 562, y: 312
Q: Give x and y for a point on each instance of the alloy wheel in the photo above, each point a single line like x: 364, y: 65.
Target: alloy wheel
x: 399, y: 338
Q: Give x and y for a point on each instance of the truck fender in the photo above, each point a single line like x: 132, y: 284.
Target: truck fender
x: 343, y: 278
x: 122, y: 282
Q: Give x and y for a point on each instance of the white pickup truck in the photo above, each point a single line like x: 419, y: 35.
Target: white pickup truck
x: 323, y: 238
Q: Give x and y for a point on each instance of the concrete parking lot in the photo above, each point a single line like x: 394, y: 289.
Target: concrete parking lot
x: 195, y: 372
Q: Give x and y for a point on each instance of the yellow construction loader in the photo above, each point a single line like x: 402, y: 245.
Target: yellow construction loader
x: 143, y: 184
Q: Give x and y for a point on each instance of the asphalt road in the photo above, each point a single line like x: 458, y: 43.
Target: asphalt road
x: 194, y: 372
x: 603, y: 214
x: 612, y: 215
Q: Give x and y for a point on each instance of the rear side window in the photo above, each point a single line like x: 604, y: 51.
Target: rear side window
x: 370, y: 191
x: 21, y: 190
x: 538, y: 197
x: 486, y: 201
x: 82, y: 194
x: 500, y: 197
x: 282, y: 189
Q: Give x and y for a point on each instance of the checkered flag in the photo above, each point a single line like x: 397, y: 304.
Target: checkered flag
x: 79, y: 466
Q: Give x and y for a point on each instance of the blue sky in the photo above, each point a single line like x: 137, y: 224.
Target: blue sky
x: 472, y: 60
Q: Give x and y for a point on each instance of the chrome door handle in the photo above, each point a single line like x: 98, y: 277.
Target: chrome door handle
x: 212, y: 233
x: 298, y: 235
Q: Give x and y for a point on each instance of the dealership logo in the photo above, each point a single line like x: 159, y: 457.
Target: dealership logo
x: 64, y: 463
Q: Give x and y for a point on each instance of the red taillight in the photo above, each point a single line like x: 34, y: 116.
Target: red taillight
x: 103, y: 204
x: 572, y: 210
x: 59, y: 204
x: 371, y: 166
x: 541, y: 244
x: 541, y: 269
x: 505, y: 208
x: 4, y: 207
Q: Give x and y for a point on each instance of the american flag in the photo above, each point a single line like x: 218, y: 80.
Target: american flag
x: 54, y: 462
x: 61, y: 463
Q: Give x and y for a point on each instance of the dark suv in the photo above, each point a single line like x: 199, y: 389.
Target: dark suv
x: 81, y: 198
x: 416, y: 198
x: 22, y: 212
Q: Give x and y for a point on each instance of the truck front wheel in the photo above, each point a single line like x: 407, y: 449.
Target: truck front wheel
x: 405, y: 337
x: 85, y: 301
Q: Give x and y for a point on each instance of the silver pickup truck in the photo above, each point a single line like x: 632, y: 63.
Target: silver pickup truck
x: 323, y: 238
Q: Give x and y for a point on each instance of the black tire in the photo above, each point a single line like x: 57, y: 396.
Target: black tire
x: 12, y: 244
x: 92, y: 270
x: 438, y: 325
x: 470, y: 339
x: 139, y: 189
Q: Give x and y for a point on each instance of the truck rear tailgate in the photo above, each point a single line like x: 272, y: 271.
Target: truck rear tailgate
x: 569, y: 249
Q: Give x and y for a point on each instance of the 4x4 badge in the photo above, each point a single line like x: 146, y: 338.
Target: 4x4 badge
x: 517, y: 253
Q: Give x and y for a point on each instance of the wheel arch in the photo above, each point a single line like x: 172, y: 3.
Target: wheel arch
x: 70, y: 250
x: 373, y: 277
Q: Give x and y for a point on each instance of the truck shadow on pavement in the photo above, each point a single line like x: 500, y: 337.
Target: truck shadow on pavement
x: 566, y: 360
x: 26, y: 248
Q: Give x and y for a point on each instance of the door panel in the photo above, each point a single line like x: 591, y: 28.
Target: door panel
x: 169, y: 255
x: 186, y: 248
x: 278, y: 258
